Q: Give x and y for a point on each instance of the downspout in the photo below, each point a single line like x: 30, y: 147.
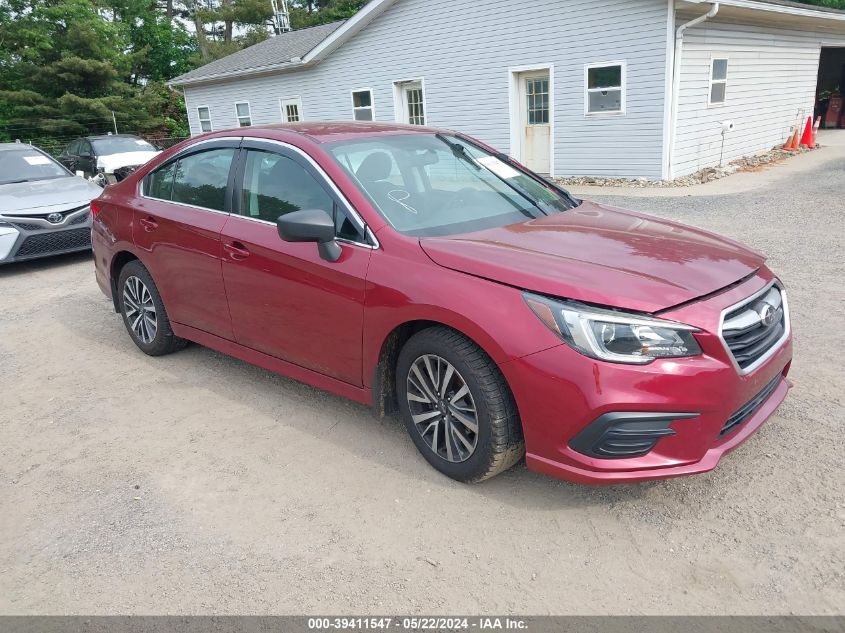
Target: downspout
x: 676, y: 79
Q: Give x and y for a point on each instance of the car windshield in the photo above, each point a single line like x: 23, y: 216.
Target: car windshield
x: 120, y: 145
x: 434, y: 184
x: 26, y: 165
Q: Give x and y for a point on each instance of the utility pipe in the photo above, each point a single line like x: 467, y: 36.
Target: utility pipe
x: 676, y: 80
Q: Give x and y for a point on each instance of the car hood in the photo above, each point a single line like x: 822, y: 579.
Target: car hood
x: 124, y: 159
x: 45, y: 196
x: 598, y: 254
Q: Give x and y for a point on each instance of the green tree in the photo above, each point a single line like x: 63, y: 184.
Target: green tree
x: 305, y: 13
x: 73, y: 67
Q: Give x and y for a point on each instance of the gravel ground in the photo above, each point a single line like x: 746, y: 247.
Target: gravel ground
x: 195, y: 483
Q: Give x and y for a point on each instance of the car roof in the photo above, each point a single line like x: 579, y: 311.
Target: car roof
x: 329, y: 131
x: 8, y: 146
x: 99, y: 137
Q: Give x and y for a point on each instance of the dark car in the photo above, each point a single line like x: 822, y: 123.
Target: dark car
x: 44, y: 209
x: 110, y: 158
x: 423, y: 273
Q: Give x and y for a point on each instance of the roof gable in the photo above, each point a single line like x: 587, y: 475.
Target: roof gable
x: 273, y: 53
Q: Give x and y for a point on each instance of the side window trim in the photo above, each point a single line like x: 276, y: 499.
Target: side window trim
x: 203, y: 146
x: 306, y: 162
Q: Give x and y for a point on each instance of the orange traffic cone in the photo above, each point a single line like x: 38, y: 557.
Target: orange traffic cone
x: 792, y: 144
x: 807, y: 138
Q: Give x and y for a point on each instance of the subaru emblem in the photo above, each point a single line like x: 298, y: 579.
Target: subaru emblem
x: 767, y: 314
x: 55, y: 218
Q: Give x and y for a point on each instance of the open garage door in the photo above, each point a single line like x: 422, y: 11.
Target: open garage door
x: 830, y: 87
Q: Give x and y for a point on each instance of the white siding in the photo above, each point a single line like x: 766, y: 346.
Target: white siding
x: 771, y: 78
x: 463, y: 50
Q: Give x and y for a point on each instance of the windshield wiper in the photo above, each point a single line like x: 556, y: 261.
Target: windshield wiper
x: 459, y: 150
x: 505, y: 158
x: 14, y: 182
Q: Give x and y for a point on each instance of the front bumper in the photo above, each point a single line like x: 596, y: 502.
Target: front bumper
x: 30, y: 237
x: 560, y: 393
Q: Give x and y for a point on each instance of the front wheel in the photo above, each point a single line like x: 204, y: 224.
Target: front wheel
x: 143, y: 312
x: 457, y: 406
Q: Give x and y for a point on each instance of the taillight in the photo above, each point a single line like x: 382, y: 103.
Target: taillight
x: 95, y: 208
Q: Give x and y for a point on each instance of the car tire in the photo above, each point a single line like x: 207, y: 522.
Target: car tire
x: 463, y: 388
x: 143, y: 312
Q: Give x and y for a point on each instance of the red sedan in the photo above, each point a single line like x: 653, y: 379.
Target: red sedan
x: 423, y: 273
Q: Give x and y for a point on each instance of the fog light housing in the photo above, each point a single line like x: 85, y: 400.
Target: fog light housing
x: 625, y: 434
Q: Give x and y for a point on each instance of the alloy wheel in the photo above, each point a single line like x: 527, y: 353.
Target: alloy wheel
x: 140, y: 309
x: 442, y: 408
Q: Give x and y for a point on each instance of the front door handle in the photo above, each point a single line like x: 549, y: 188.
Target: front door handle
x: 236, y: 250
x: 149, y: 224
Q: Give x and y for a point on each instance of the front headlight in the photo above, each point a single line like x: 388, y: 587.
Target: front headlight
x: 618, y: 337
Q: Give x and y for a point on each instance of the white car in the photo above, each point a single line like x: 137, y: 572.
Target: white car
x: 44, y: 208
x: 107, y: 159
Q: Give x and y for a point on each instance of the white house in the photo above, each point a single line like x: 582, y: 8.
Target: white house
x: 633, y: 88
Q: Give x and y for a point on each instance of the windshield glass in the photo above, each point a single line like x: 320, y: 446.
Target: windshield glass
x: 120, y: 144
x: 27, y: 164
x: 431, y: 184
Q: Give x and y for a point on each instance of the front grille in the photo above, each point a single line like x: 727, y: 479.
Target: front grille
x: 80, y: 220
x: 54, y: 242
x: 755, y: 327
x: 749, y: 408
x: 28, y: 227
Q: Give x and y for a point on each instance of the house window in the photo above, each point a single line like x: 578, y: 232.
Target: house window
x: 291, y: 109
x: 537, y: 91
x: 362, y: 105
x: 242, y: 111
x: 204, y: 115
x: 605, y: 88
x: 718, y: 81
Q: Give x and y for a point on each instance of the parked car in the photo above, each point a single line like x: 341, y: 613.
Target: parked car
x: 423, y: 273
x: 43, y: 207
x: 107, y: 159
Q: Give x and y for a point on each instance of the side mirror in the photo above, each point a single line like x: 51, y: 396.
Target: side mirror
x: 311, y: 225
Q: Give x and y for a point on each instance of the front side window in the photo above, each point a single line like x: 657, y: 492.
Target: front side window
x: 199, y: 180
x: 605, y: 88
x: 28, y: 165
x: 718, y: 81
x: 242, y: 111
x: 362, y: 105
x: 427, y: 184
x: 275, y: 185
x: 204, y: 115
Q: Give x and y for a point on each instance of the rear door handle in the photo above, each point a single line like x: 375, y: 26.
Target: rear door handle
x: 236, y: 250
x: 149, y: 224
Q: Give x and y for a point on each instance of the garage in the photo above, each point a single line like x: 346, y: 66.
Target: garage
x: 831, y: 80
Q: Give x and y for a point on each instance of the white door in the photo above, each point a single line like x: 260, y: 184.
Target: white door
x: 291, y: 109
x: 534, y: 121
x: 413, y: 102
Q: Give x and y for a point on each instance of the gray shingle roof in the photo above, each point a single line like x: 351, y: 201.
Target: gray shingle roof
x: 273, y: 52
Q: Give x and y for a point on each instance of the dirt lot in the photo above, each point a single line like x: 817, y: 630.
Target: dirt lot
x: 196, y: 483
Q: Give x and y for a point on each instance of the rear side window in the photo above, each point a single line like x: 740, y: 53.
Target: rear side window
x: 160, y: 182
x: 200, y: 179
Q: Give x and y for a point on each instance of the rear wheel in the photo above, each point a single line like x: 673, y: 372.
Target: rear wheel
x: 143, y: 312
x: 457, y: 406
